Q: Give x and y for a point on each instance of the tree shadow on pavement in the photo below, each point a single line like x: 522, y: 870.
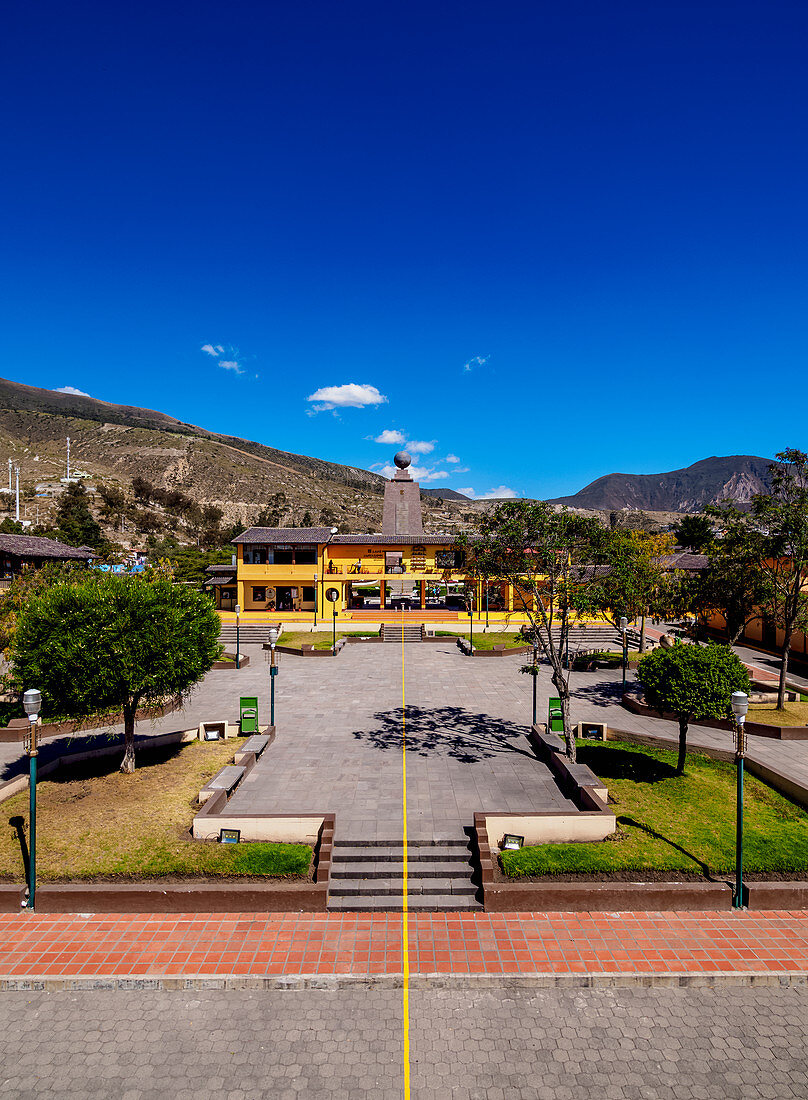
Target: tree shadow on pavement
x: 446, y: 731
x: 604, y: 693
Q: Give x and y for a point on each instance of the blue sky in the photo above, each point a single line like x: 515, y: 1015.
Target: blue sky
x: 549, y: 241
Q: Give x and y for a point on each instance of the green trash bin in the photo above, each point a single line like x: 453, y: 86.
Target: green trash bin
x: 248, y: 714
x: 555, y: 716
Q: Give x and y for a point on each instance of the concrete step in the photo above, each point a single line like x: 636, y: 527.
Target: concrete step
x: 438, y: 853
x: 383, y: 869
x: 425, y: 903
x: 382, y: 887
x: 430, y: 842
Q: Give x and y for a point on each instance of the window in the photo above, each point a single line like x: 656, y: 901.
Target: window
x: 306, y: 555
x: 450, y: 559
x: 308, y: 595
x: 259, y: 594
x: 255, y: 555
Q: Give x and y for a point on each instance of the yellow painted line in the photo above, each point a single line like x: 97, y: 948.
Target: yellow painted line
x: 405, y: 947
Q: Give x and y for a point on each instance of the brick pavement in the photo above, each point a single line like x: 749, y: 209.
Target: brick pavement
x: 512, y: 1044
x: 357, y: 946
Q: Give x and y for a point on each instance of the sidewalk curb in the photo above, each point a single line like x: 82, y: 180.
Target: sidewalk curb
x: 417, y: 982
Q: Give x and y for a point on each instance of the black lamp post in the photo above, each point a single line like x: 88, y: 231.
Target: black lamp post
x: 32, y: 702
x: 332, y: 595
x: 740, y: 705
x: 273, y: 672
x: 471, y: 624
x: 238, y: 647
x: 535, y: 671
x: 623, y: 631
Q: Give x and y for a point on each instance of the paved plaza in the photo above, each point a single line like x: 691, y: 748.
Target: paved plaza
x: 499, y: 1006
x: 468, y: 1044
x: 340, y: 734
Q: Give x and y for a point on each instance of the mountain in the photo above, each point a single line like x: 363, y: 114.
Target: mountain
x: 114, y: 443
x: 444, y: 494
x: 734, y: 477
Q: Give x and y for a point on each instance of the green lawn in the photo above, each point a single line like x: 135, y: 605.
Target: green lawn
x: 320, y: 639
x: 95, y: 823
x: 675, y: 823
x: 793, y: 714
x: 486, y: 641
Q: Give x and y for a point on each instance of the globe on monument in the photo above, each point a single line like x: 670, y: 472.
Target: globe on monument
x: 402, y: 460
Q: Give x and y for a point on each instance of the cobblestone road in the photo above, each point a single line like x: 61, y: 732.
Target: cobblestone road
x: 623, y: 1043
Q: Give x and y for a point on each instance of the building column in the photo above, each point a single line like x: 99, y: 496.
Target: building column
x: 510, y: 597
x: 423, y: 595
x: 382, y: 603
x: 240, y: 594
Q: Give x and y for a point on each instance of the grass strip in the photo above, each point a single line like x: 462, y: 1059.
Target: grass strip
x: 95, y: 823
x: 667, y: 822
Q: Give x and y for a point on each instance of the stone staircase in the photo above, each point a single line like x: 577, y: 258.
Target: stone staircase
x: 396, y: 632
x: 367, y: 876
x: 252, y: 634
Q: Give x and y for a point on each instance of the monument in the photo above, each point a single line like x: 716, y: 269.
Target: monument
x: 402, y: 501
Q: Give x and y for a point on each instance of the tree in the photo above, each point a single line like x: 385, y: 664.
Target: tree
x: 693, y: 681
x: 735, y: 582
x: 142, y: 489
x: 307, y: 520
x: 106, y: 641
x: 10, y: 526
x: 782, y: 516
x: 694, y: 533
x: 626, y: 576
x: 74, y: 520
x: 114, y: 504
x: 541, y: 552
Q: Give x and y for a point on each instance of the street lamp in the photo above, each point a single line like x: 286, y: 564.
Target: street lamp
x: 322, y: 567
x: 332, y: 595
x: 273, y: 672
x: 471, y: 624
x: 740, y: 705
x: 238, y: 647
x: 623, y: 631
x: 535, y: 670
x: 32, y: 703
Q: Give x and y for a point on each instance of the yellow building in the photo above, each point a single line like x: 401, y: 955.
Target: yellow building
x: 286, y: 573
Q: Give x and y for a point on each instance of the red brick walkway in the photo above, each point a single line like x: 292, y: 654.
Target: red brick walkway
x: 338, y: 944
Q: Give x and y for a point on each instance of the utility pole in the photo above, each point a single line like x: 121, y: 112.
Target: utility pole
x: 17, y: 472
x: 68, y: 458
x: 9, y: 475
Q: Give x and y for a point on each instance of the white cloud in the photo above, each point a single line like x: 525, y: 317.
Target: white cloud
x: 233, y: 361
x: 502, y: 492
x: 391, y: 436
x: 420, y: 446
x: 452, y: 458
x: 418, y: 473
x: 71, y: 389
x: 461, y: 470
x: 350, y: 396
x: 476, y: 361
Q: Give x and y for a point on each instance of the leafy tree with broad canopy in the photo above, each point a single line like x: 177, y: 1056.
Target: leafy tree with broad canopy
x: 695, y: 532
x: 734, y: 581
x: 543, y: 554
x: 782, y: 515
x: 104, y: 641
x: 627, y: 576
x: 692, y: 682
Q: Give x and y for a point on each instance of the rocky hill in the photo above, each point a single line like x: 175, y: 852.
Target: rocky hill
x: 734, y: 477
x: 114, y: 443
